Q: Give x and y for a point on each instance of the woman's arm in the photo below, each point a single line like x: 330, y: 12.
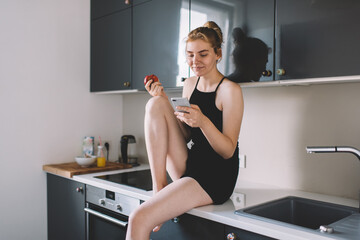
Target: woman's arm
x: 232, y: 102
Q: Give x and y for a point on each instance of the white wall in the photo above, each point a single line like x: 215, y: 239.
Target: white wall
x: 279, y: 122
x: 46, y: 106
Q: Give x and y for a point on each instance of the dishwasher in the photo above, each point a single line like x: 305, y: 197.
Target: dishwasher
x: 107, y: 213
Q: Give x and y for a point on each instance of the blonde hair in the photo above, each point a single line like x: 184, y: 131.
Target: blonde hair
x: 210, y: 32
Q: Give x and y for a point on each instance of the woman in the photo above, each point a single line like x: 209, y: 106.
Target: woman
x: 206, y: 173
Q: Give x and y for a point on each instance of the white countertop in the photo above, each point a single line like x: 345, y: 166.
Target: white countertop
x: 245, y: 195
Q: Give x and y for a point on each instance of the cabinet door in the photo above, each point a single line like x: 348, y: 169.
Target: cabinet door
x: 159, y: 27
x: 189, y: 227
x: 236, y: 233
x: 65, y: 206
x: 317, y: 38
x: 111, y: 52
x: 248, y: 31
x: 101, y: 8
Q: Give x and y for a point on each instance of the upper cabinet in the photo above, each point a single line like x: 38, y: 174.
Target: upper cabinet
x: 248, y: 31
x: 159, y: 30
x: 132, y: 39
x: 264, y: 40
x: 317, y: 38
x: 110, y: 46
x: 267, y: 40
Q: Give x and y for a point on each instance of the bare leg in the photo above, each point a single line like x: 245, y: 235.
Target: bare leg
x: 174, y: 200
x: 165, y: 142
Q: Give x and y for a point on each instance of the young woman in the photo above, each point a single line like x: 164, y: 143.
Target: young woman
x: 207, y: 172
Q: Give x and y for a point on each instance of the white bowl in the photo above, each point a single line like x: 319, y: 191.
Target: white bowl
x: 85, y: 161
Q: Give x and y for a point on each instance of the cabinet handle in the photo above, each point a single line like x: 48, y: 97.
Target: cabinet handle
x: 80, y: 189
x: 266, y: 73
x: 126, y: 84
x: 280, y: 72
x: 127, y: 2
x: 231, y: 236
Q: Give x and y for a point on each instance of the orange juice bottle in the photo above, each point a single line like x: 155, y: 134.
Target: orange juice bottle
x: 101, y: 161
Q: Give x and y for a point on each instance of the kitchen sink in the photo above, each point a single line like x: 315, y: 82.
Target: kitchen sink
x: 299, y: 211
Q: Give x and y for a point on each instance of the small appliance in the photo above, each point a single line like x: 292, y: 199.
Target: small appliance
x: 128, y: 145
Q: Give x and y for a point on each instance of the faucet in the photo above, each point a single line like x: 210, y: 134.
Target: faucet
x: 352, y: 150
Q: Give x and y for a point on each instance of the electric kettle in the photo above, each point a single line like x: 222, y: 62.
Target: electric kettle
x: 127, y: 151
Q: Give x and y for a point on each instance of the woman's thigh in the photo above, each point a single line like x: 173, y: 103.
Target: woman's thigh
x: 176, y: 133
x: 175, y: 199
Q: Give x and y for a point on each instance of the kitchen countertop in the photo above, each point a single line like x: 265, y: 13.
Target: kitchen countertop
x: 246, y: 194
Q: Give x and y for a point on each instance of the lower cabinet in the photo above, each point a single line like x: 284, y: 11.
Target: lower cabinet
x: 189, y: 227
x: 65, y: 207
x: 232, y: 233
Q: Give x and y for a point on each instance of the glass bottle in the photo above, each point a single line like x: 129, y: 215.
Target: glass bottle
x: 101, y: 161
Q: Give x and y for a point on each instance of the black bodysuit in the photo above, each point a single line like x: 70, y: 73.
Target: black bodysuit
x: 216, y: 175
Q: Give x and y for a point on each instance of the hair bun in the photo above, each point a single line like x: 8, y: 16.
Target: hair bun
x: 214, y: 26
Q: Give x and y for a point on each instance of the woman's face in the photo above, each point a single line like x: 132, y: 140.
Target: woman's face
x: 201, y: 57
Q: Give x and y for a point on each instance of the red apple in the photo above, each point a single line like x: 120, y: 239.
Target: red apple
x: 151, y: 77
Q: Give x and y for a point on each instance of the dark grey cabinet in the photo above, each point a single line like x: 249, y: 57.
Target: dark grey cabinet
x: 130, y: 41
x: 65, y: 207
x: 101, y: 8
x: 236, y: 233
x: 248, y: 31
x: 264, y: 40
x: 303, y: 38
x: 110, y: 46
x: 159, y: 28
x: 189, y: 227
x: 317, y: 38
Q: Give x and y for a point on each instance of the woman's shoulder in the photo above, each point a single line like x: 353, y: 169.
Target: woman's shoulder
x: 228, y: 86
x: 191, y: 80
x: 189, y: 85
x: 230, y: 93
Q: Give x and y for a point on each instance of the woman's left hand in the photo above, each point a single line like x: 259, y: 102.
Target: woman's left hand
x: 192, y: 115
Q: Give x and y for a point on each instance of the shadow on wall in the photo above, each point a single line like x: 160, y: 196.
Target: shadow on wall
x: 250, y: 56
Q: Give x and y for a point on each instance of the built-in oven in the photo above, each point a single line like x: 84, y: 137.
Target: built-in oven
x: 107, y: 213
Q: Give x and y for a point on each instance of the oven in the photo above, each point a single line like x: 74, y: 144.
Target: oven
x: 107, y: 213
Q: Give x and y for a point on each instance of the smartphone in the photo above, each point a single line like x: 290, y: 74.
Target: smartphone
x: 177, y: 101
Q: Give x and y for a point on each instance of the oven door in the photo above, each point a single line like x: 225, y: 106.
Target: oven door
x: 104, y: 224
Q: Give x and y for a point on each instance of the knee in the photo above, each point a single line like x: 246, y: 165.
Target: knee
x: 134, y: 218
x: 156, y: 104
x: 138, y: 223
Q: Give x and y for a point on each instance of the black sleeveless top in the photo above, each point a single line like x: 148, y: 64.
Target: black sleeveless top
x: 216, y: 175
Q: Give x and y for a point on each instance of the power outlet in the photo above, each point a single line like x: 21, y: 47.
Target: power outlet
x: 238, y: 199
x: 242, y: 160
x: 107, y: 141
x: 111, y: 147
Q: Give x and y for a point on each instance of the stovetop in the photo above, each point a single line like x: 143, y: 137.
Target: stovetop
x: 138, y: 179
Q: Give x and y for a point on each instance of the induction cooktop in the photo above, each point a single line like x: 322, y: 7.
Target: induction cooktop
x: 138, y: 179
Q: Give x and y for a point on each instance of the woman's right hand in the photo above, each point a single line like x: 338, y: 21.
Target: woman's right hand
x: 155, y: 88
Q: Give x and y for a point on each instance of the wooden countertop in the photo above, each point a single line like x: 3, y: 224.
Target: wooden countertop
x: 72, y: 168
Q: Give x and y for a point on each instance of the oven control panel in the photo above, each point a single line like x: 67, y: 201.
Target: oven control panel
x: 111, y: 200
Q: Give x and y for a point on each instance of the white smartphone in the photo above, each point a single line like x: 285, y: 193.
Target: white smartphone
x: 177, y: 101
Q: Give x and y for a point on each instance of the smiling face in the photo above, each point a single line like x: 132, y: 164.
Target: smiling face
x: 201, y: 57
